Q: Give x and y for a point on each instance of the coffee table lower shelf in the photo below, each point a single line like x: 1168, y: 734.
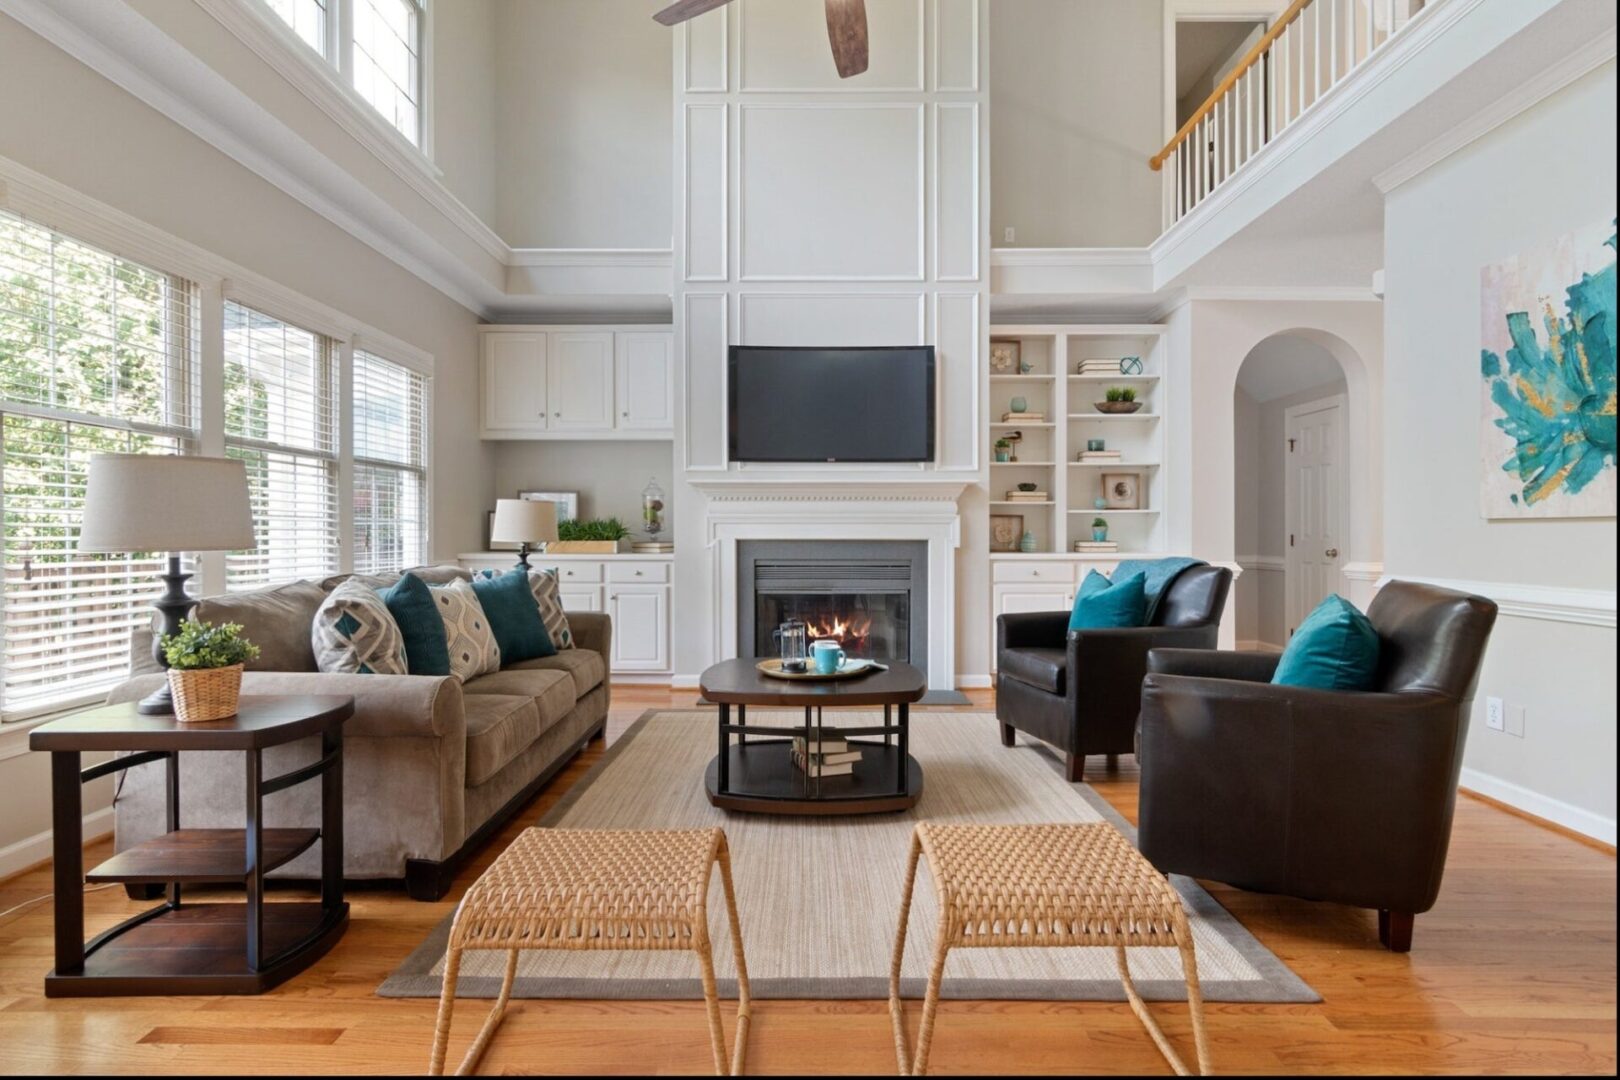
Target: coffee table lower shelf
x: 764, y: 780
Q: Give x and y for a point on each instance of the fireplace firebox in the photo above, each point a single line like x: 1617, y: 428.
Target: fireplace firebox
x: 872, y: 596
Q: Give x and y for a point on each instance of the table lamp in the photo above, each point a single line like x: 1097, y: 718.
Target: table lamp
x: 154, y: 502
x: 525, y: 522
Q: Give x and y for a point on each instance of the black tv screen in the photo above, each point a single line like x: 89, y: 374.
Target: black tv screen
x: 858, y: 405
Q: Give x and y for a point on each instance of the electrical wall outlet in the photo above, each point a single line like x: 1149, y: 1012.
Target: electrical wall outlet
x: 1494, y: 718
x: 1009, y: 235
x: 1515, y: 720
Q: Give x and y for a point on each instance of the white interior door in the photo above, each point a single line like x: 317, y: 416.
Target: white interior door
x: 1315, y: 509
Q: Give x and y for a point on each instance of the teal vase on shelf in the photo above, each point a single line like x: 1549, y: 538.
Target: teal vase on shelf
x: 1026, y: 543
x: 1018, y: 404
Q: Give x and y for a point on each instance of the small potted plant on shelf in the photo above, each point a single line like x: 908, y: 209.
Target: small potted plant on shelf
x: 1119, y: 399
x: 1003, y: 450
x: 1099, y: 529
x: 205, y: 670
x: 597, y: 537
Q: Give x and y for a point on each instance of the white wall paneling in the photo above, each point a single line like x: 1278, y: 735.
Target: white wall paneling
x: 958, y: 329
x: 702, y: 338
x: 831, y: 319
x: 956, y: 47
x: 959, y: 232
x: 707, y: 217
x: 831, y: 191
x: 780, y: 48
x: 707, y: 48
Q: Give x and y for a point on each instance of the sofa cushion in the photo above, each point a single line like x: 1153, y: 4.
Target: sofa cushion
x: 433, y: 575
x: 585, y: 665
x: 551, y: 691
x: 277, y: 620
x: 354, y: 633
x: 1044, y: 669
x: 416, y: 613
x: 513, y: 614
x: 467, y: 634
x: 543, y: 583
x: 499, y: 728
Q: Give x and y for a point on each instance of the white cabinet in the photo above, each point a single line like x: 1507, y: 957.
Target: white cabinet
x: 514, y: 384
x: 645, y: 382
x: 577, y: 383
x: 588, y: 598
x: 640, y: 627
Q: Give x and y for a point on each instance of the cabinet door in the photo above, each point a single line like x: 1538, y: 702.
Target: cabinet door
x: 640, y: 627
x: 580, y: 381
x: 514, y: 390
x: 582, y: 598
x: 645, y: 381
x: 1017, y: 599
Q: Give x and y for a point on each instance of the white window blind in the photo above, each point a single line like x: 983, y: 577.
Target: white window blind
x: 388, y: 61
x: 308, y: 18
x: 280, y: 418
x: 390, y: 466
x: 97, y: 355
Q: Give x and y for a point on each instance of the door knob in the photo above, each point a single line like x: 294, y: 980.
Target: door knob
x: 1332, y: 553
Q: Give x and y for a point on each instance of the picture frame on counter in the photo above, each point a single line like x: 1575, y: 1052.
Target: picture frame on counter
x: 567, y: 502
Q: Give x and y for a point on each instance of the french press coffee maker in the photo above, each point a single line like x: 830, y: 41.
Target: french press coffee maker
x: 792, y: 640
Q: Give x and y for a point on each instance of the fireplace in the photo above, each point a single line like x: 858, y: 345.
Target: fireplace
x: 872, y: 596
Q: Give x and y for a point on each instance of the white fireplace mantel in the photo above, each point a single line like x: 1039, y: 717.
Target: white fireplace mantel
x: 858, y: 509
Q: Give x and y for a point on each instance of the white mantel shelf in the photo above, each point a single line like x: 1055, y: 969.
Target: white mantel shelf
x: 854, y: 489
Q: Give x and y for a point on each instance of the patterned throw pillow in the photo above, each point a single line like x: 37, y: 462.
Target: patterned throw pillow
x: 543, y: 583
x: 353, y: 633
x: 467, y: 635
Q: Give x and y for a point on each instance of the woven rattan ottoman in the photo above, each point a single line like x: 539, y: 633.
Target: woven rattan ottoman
x: 581, y: 890
x: 1027, y: 886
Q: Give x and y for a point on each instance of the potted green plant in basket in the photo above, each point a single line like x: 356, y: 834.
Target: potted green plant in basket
x: 205, y: 670
x: 1119, y: 399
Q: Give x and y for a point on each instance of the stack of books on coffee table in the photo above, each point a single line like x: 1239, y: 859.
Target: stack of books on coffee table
x: 824, y: 757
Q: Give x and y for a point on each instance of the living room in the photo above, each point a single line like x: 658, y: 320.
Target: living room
x: 1082, y: 479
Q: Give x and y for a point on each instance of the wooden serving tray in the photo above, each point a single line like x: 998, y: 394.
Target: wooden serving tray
x: 773, y: 668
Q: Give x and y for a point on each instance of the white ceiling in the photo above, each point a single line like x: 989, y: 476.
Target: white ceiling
x: 1201, y: 44
x: 1281, y: 366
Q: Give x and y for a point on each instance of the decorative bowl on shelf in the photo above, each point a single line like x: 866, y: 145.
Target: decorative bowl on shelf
x: 1118, y: 406
x: 1027, y: 487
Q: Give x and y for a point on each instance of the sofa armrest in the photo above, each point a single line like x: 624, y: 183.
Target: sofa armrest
x: 1249, y: 666
x: 384, y: 705
x: 1032, y: 629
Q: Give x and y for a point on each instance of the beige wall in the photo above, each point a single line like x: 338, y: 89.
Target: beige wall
x: 1488, y: 202
x: 609, y: 476
x: 88, y: 134
x: 584, y: 124
x: 463, y: 65
x: 1076, y: 87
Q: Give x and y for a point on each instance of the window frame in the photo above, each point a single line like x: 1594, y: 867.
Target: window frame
x: 356, y: 462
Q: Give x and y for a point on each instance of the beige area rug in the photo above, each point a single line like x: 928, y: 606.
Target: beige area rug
x: 819, y: 897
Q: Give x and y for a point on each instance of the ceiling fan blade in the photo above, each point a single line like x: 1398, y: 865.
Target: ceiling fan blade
x: 682, y: 10
x: 846, y: 29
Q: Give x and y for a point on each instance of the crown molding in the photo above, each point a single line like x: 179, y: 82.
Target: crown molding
x: 594, y: 258
x: 1571, y: 68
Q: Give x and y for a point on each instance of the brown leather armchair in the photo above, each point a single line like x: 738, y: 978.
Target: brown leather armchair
x: 1346, y: 797
x: 1081, y: 691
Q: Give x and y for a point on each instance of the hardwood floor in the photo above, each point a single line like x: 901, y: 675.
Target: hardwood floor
x: 1513, y: 971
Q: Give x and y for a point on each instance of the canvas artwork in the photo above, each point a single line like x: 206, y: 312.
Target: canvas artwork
x: 1547, y: 431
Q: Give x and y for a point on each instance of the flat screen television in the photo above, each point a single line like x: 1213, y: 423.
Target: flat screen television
x: 856, y: 405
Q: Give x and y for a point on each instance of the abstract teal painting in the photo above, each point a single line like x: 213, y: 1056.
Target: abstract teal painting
x: 1547, y: 360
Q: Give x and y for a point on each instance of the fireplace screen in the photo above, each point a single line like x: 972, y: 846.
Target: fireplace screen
x: 869, y: 624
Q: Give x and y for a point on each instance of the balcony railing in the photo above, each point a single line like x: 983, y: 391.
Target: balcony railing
x: 1312, y: 47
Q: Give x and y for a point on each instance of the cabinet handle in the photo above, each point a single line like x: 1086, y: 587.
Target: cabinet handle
x: 627, y: 416
x: 557, y: 414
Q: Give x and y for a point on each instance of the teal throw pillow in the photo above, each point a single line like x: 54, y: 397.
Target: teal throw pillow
x: 1335, y: 648
x: 416, y: 612
x: 1110, y: 605
x: 513, y: 615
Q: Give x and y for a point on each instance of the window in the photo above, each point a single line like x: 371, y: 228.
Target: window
x: 97, y: 355
x: 376, y: 48
x: 280, y: 408
x: 390, y: 466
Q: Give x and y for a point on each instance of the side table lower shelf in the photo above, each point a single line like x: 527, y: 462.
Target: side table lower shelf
x: 202, y: 949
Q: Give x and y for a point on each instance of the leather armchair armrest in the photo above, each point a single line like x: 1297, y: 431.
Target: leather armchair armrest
x: 1253, y: 666
x: 1031, y: 630
x: 1105, y: 652
x: 384, y: 705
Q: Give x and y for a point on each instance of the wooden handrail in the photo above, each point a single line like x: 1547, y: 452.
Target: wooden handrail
x: 1251, y: 58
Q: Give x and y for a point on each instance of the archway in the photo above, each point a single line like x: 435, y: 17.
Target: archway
x: 1296, y: 507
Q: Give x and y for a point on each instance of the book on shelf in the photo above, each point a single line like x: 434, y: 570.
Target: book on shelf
x: 1028, y: 496
x: 1023, y: 418
x: 1095, y: 547
x: 1099, y: 367
x: 821, y: 746
x: 817, y: 769
x: 1101, y: 455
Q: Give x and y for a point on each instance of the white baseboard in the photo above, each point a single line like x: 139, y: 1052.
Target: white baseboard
x: 974, y: 682
x: 1542, y: 806
x: 639, y: 678
x: 684, y: 682
x: 33, y: 850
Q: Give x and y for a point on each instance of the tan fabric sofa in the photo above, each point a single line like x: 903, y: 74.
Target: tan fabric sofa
x: 431, y: 768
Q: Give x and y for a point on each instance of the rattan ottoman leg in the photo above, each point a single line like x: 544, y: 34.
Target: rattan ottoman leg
x: 896, y: 1009
x: 936, y: 975
x: 1195, y: 999
x: 1139, y: 1007
x: 739, y: 1052
x: 447, y: 1005
x: 487, y: 1033
x: 711, y: 999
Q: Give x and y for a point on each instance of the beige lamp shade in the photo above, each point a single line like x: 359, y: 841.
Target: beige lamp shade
x: 155, y: 502
x: 520, y: 521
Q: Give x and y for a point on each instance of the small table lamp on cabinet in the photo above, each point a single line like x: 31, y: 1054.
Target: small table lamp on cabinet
x: 153, y: 502
x: 526, y: 522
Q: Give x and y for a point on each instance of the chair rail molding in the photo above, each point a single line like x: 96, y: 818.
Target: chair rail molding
x: 1551, y: 603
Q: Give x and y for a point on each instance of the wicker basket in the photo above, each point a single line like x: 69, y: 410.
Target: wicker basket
x: 204, y: 694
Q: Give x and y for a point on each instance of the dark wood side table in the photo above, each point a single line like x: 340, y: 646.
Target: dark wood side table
x: 756, y: 773
x: 178, y: 948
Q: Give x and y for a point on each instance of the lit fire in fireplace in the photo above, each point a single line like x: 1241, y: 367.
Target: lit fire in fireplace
x: 851, y: 631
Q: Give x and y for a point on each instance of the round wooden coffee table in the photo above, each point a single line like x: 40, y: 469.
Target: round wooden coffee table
x: 756, y: 773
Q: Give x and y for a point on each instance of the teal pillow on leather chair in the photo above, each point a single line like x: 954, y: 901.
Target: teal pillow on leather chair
x: 1110, y: 605
x: 1335, y: 648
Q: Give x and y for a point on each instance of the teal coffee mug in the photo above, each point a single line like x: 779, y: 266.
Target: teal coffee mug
x: 829, y: 657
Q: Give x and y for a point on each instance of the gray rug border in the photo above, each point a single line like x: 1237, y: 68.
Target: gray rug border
x: 414, y: 977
